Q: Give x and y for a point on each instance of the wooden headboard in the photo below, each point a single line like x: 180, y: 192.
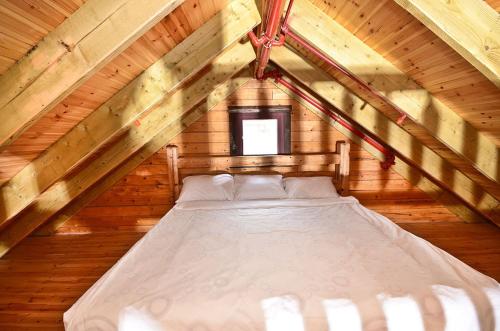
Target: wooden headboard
x: 335, y: 165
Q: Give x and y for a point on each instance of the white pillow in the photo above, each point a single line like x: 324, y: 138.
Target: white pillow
x: 206, y: 187
x: 255, y: 187
x: 310, y: 187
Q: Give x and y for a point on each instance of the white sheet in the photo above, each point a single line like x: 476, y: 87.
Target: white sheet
x: 319, y: 264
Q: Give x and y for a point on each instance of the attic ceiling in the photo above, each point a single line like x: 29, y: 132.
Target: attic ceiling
x: 101, y: 86
x: 384, y: 26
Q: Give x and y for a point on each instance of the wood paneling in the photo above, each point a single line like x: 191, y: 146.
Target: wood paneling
x: 99, y: 88
x: 470, y: 27
x: 25, y: 23
x: 142, y: 197
x: 420, y: 54
x: 443, y: 129
x: 69, y: 56
x: 495, y: 4
x: 148, y: 91
x: 374, y: 121
x: 163, y: 123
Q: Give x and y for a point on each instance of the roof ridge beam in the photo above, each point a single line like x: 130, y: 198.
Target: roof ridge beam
x: 119, y: 113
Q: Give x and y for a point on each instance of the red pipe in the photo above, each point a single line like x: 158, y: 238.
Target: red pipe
x: 287, y: 32
x: 388, y: 154
x: 268, y: 38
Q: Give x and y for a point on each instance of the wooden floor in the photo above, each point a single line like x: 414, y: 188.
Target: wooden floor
x: 44, y: 276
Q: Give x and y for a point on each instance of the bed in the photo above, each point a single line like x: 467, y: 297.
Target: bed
x: 283, y: 264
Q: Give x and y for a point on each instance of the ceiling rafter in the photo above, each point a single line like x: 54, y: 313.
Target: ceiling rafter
x: 130, y: 164
x: 79, y: 47
x: 375, y: 122
x: 119, y: 113
x: 470, y: 27
x: 441, y: 122
x: 160, y: 125
x: 409, y: 172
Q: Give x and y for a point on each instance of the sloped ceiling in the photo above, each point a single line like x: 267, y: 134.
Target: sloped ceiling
x: 438, y: 126
x: 383, y: 25
x: 25, y: 23
x: 495, y: 4
x: 413, y: 48
x: 100, y: 87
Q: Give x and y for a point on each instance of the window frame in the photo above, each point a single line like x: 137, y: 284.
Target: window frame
x: 239, y: 113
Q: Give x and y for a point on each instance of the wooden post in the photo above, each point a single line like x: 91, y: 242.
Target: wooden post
x: 342, y: 173
x: 173, y: 170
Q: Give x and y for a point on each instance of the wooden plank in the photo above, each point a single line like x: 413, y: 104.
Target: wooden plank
x: 123, y: 109
x: 222, y: 162
x: 175, y: 183
x: 413, y: 151
x: 163, y: 121
x: 171, y: 170
x: 424, y: 109
x: 82, y: 22
x: 78, y: 62
x: 470, y: 27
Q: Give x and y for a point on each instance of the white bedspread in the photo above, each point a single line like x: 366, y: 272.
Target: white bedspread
x: 291, y: 265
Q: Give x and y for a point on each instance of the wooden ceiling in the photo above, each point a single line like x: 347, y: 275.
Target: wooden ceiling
x: 495, y: 4
x: 419, y: 53
x: 25, y: 22
x: 390, y: 78
x: 382, y: 25
x: 100, y: 87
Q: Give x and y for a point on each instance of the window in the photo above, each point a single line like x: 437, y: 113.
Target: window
x: 260, y: 130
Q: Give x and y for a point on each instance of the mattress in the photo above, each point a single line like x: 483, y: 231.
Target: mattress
x: 317, y: 264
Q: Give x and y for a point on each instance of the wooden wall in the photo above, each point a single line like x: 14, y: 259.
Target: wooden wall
x: 137, y: 201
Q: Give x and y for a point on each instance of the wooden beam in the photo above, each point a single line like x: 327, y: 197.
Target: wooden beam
x: 54, y: 45
x: 470, y: 27
x: 75, y: 59
x: 134, y: 161
x: 119, y: 113
x: 389, y: 132
x: 225, y: 162
x: 164, y: 121
x: 437, y: 119
x: 407, y: 171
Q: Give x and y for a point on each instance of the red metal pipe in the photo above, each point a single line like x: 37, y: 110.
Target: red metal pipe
x: 287, y: 15
x: 287, y: 32
x: 268, y: 38
x: 388, y: 154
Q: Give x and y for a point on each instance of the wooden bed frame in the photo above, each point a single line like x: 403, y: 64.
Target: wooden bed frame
x: 335, y: 165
